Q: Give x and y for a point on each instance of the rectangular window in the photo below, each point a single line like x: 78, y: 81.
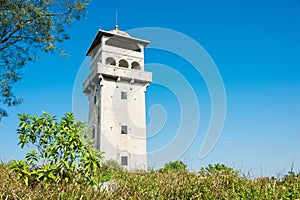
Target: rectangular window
x: 123, y: 95
x: 93, y: 133
x: 123, y: 129
x: 95, y: 99
x: 124, y: 160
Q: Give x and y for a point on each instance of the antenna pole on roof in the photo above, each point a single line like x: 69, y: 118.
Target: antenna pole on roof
x: 116, y: 17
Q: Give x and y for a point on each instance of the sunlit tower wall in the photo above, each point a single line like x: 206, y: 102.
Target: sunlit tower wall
x: 116, y: 88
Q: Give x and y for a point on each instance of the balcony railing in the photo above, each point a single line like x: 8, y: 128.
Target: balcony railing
x: 115, y: 72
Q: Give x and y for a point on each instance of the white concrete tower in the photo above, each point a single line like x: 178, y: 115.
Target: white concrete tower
x: 116, y: 89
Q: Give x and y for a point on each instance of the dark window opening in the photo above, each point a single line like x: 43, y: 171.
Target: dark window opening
x: 123, y: 95
x: 124, y: 160
x: 136, y: 66
x: 123, y: 63
x: 110, y: 61
x: 95, y: 99
x: 123, y: 129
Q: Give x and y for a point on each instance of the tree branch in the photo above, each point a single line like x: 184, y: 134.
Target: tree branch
x: 10, y: 35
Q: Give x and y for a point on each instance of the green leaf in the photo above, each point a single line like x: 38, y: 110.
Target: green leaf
x: 60, y: 144
x: 26, y: 180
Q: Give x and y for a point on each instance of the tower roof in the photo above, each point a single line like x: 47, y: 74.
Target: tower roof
x: 117, y: 34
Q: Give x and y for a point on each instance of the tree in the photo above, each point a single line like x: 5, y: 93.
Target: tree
x: 217, y: 169
x: 61, y: 152
x: 29, y: 27
x: 174, y: 166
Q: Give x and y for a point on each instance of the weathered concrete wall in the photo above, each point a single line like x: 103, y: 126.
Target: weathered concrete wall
x: 108, y: 111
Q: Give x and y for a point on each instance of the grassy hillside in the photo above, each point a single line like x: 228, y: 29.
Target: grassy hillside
x: 212, y: 182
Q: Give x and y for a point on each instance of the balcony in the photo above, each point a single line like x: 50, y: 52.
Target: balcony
x: 115, y: 72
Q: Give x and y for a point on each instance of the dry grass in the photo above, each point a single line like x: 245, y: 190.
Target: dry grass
x: 219, y: 184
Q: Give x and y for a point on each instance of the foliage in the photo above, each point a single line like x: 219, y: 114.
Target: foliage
x: 223, y: 183
x: 27, y: 28
x: 113, y: 165
x: 216, y: 169
x: 61, y: 150
x: 174, y: 166
x: 3, y: 113
x: 12, y: 188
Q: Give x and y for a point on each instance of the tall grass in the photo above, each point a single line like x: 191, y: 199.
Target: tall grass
x: 211, y: 182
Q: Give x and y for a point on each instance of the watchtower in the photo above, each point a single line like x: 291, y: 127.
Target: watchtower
x: 116, y: 89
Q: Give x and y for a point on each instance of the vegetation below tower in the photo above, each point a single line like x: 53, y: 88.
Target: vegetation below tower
x: 65, y: 165
x: 213, y: 182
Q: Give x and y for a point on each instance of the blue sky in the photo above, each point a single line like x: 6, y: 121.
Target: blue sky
x: 256, y: 47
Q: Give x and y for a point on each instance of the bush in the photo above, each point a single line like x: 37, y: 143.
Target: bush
x: 174, y: 166
x: 61, y: 150
x: 217, y: 169
x: 112, y: 165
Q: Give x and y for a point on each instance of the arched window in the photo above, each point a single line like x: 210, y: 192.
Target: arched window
x: 110, y: 61
x: 123, y: 63
x: 135, y: 65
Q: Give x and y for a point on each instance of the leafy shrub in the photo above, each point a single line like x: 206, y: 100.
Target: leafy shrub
x: 112, y: 165
x: 216, y: 169
x: 174, y: 166
x: 61, y: 150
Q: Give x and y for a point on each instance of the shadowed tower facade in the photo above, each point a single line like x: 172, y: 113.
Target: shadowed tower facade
x: 116, y: 89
